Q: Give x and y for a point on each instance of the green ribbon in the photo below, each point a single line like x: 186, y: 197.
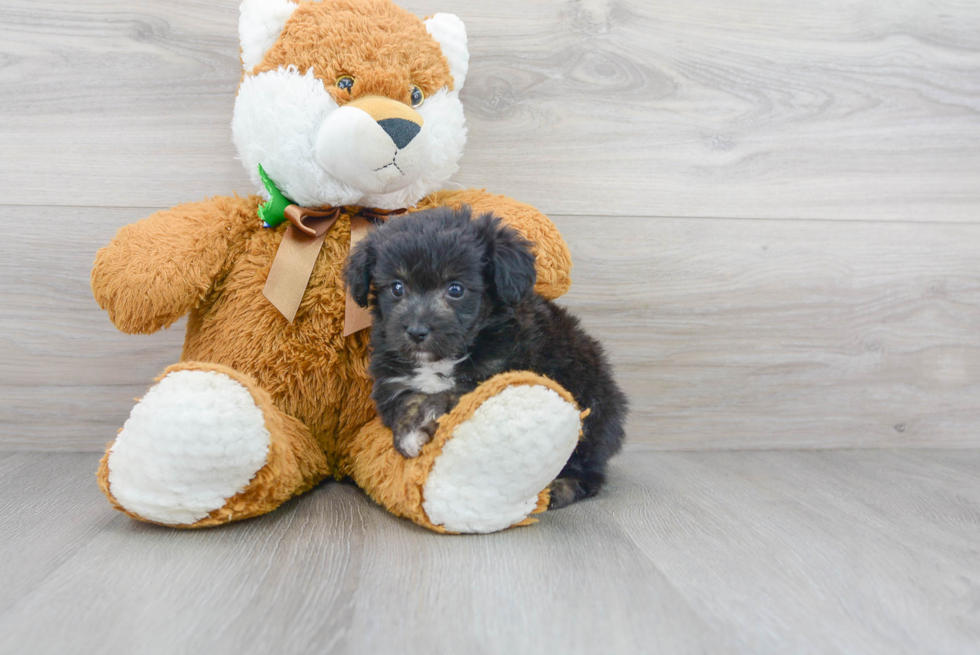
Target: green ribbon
x: 271, y: 212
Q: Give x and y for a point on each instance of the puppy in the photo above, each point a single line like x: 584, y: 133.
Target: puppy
x: 453, y: 305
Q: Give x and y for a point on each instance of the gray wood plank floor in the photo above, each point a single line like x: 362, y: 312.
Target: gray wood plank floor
x: 752, y: 551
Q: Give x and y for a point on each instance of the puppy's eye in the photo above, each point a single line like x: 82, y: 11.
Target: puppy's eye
x: 455, y: 290
x: 397, y: 289
x: 345, y: 83
x: 417, y: 96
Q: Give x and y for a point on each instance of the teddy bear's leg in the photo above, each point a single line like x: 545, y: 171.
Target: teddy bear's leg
x: 206, y: 446
x: 489, y: 464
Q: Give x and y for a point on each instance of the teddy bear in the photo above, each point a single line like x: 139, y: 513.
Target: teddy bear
x: 348, y: 112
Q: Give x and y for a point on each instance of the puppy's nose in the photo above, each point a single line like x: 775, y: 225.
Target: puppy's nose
x: 418, y: 333
x: 400, y: 130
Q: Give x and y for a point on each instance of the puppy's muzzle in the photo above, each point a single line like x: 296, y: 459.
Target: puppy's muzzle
x: 418, y: 332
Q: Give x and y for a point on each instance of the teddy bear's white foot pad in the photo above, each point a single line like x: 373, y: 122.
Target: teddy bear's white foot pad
x: 193, y: 441
x: 491, y: 471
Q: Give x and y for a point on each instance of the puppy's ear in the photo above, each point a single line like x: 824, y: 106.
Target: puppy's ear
x: 358, y: 271
x: 510, y: 268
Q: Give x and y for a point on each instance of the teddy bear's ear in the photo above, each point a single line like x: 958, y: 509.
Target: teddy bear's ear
x: 450, y: 32
x: 259, y: 25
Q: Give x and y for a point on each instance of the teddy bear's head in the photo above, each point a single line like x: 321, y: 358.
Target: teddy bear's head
x: 350, y: 102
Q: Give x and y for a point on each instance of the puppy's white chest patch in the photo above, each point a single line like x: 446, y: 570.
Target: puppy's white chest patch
x: 433, y: 377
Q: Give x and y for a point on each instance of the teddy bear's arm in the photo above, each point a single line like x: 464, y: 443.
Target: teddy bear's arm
x: 156, y: 270
x: 554, y: 262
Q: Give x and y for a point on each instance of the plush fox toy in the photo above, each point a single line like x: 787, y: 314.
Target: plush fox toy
x: 348, y: 111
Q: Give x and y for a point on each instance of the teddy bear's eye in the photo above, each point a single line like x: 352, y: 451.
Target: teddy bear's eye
x: 397, y: 289
x: 345, y: 83
x: 417, y: 96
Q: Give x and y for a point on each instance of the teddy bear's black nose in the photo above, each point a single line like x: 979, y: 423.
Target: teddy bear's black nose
x: 418, y: 332
x: 400, y: 130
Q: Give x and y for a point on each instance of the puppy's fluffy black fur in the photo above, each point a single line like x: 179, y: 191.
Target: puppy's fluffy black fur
x: 453, y: 304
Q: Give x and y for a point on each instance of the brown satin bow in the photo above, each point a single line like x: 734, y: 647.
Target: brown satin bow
x: 300, y: 246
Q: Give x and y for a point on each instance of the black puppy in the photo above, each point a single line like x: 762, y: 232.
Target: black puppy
x: 453, y: 305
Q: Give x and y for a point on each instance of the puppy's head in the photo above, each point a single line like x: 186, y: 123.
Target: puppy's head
x: 434, y: 278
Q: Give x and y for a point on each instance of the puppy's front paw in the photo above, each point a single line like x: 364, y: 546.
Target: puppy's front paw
x: 408, y: 432
x: 409, y: 444
x: 419, y: 421
x: 415, y: 432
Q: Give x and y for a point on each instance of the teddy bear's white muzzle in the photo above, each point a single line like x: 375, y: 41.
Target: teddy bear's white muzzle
x: 370, y: 155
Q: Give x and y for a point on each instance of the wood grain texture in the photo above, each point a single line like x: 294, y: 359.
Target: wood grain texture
x: 814, y: 552
x: 842, y: 109
x: 816, y: 334
x: 761, y: 552
x: 50, y: 509
x: 725, y: 333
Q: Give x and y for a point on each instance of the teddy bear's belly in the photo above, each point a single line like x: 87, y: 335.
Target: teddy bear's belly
x: 309, y: 368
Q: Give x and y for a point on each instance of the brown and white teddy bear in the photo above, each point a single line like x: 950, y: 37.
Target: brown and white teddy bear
x: 348, y: 110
